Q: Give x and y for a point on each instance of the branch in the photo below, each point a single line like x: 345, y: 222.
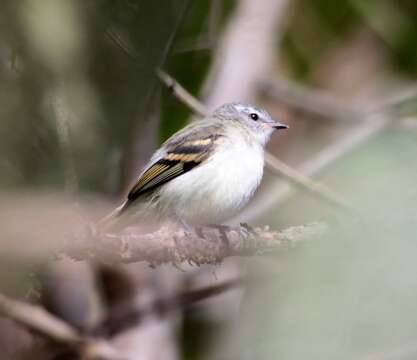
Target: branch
x: 323, y: 104
x: 398, y: 98
x: 308, y: 100
x: 275, y: 165
x: 40, y: 320
x: 233, y: 74
x: 182, y: 94
x: 280, y: 168
x: 207, y: 245
x: 129, y: 317
x: 329, y: 155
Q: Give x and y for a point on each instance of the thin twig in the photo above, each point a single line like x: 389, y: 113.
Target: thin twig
x: 189, y: 45
x: 314, y: 102
x: 114, y: 36
x: 279, y: 168
x: 130, y: 51
x: 352, y: 139
x: 180, y: 19
x: 168, y: 46
x: 133, y: 154
x: 40, y: 320
x: 182, y: 94
x: 321, y: 103
x: 207, y: 40
x: 394, y: 101
x: 275, y: 165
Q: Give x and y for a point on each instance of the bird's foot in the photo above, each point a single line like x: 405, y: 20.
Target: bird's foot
x: 223, y: 230
x: 246, y: 230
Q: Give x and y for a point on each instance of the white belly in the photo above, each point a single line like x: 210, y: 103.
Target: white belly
x: 217, y: 189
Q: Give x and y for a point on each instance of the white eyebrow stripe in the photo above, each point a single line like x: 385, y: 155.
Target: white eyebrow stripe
x: 244, y: 108
x: 240, y: 107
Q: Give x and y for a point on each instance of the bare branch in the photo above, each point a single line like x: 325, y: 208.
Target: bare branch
x: 233, y: 74
x: 129, y: 317
x: 40, y: 320
x: 207, y: 245
x: 182, y: 94
x: 311, y: 101
x: 323, y: 104
x: 398, y: 98
x: 279, y: 168
x: 352, y: 139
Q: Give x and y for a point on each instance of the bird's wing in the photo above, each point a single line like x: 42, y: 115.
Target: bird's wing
x: 182, y: 153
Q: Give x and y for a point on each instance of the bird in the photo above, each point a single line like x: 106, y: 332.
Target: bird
x: 203, y: 174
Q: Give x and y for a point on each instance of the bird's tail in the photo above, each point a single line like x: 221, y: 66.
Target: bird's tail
x: 125, y: 215
x: 112, y: 222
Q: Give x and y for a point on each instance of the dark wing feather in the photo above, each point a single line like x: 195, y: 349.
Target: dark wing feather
x: 158, y: 174
x: 182, y: 155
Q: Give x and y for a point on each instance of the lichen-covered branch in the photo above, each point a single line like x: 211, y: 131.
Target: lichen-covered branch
x: 206, y: 245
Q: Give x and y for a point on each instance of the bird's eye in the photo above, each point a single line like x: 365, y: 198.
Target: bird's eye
x: 254, y: 116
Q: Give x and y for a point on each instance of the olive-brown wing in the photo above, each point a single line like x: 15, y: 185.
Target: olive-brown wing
x: 178, y: 160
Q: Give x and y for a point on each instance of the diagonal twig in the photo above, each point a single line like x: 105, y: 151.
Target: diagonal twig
x: 280, y: 168
x: 322, y: 104
x: 313, y: 102
x: 40, y: 320
x: 391, y: 102
x: 354, y: 138
x: 182, y: 94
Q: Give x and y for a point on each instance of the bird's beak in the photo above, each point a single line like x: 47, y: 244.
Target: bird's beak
x: 276, y: 125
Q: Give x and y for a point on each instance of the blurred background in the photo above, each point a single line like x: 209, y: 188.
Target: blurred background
x: 82, y: 109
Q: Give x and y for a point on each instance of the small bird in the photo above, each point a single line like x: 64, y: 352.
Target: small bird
x: 203, y: 174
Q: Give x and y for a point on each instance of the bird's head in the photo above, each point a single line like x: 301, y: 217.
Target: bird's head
x: 257, y: 121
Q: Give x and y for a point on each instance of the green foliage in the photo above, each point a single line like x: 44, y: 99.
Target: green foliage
x: 319, y: 25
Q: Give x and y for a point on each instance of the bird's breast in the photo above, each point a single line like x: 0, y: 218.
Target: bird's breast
x: 217, y: 189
